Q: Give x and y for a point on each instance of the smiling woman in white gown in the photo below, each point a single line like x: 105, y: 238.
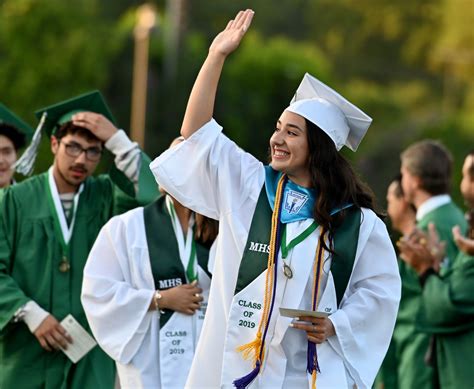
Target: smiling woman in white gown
x: 299, y: 234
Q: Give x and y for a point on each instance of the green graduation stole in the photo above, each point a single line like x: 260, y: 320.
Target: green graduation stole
x: 344, y: 245
x: 254, y: 259
x: 167, y: 268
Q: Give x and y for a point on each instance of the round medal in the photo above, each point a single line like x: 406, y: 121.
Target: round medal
x: 64, y: 265
x: 287, y: 271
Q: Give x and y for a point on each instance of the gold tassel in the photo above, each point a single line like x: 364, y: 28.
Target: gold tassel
x: 252, y: 348
x: 313, y: 379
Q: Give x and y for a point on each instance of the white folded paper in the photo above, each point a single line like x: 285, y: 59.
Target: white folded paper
x: 289, y: 312
x: 82, y: 342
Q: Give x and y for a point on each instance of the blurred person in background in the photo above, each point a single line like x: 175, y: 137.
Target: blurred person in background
x: 446, y: 310
x: 466, y: 243
x: 48, y: 226
x: 402, y: 216
x: 402, y: 213
x: 426, y: 168
x: 13, y: 134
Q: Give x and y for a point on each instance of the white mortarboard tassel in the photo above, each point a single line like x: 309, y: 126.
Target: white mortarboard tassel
x: 24, y: 165
x: 345, y: 124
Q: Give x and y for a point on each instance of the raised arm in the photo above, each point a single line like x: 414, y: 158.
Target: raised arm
x: 201, y: 100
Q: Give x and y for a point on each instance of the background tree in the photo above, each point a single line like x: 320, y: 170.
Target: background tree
x: 408, y: 64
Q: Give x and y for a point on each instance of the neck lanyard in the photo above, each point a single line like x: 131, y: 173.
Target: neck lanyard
x: 61, y: 228
x: 297, y: 240
x: 186, y: 244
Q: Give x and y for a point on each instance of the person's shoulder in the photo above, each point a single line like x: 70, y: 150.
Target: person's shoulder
x: 126, y: 220
x: 444, y: 217
x: 371, y: 221
x: 464, y: 260
x: 456, y: 209
x: 368, y: 216
x: 134, y: 215
x: 29, y: 188
x: 100, y: 185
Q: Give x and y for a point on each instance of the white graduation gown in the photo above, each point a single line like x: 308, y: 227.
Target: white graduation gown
x: 117, y: 290
x: 211, y: 175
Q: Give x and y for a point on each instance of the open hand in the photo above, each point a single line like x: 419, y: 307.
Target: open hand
x: 466, y: 245
x: 229, y: 39
x: 51, y: 334
x: 183, y: 298
x: 423, y: 250
x: 318, y: 329
x: 96, y: 123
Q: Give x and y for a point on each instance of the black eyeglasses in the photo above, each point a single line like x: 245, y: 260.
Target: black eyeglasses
x: 74, y: 150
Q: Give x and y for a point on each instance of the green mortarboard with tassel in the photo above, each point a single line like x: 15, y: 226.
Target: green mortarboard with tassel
x: 54, y: 116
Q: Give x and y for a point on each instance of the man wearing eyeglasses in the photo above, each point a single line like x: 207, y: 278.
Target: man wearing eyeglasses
x: 48, y: 225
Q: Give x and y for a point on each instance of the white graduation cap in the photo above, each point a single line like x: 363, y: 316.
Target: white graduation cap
x: 345, y: 124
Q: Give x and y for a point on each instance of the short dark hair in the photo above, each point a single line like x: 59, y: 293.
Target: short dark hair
x: 16, y: 136
x: 398, y: 190
x: 432, y: 162
x: 69, y: 128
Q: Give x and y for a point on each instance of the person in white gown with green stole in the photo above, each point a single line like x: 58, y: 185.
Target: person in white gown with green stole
x: 145, y: 291
x: 298, y: 234
x: 49, y: 223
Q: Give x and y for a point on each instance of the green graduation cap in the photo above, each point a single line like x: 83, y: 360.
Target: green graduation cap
x: 53, y: 116
x: 9, y: 118
x: 62, y: 112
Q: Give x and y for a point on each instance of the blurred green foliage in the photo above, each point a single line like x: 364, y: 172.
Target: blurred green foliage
x: 409, y: 64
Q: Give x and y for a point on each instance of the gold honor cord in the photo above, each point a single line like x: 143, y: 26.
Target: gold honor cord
x: 312, y: 356
x: 257, y: 346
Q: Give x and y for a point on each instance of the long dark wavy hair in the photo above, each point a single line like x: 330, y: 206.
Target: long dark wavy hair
x: 335, y: 181
x: 206, y: 230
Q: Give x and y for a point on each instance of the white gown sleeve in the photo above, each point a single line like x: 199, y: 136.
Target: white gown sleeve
x: 365, y: 321
x: 117, y: 312
x: 209, y: 173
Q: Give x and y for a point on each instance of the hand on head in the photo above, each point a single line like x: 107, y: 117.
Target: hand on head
x: 96, y: 123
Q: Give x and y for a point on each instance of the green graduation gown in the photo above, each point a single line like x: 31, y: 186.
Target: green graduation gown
x: 447, y: 311
x: 30, y: 256
x: 411, y: 341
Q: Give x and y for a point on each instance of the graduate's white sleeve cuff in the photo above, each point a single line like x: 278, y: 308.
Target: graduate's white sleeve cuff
x: 120, y: 143
x: 33, y: 315
x: 187, y: 171
x: 127, y: 155
x: 342, y: 327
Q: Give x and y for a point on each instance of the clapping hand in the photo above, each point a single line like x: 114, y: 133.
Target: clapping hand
x: 422, y: 250
x: 465, y: 244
